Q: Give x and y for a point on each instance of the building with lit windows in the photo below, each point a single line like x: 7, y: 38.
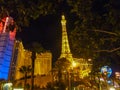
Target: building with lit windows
x: 7, y: 39
x: 18, y: 47
x: 18, y: 59
x: 43, y: 61
x: 42, y: 67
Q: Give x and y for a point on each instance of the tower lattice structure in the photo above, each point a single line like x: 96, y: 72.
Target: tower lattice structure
x: 84, y: 65
x: 65, y: 49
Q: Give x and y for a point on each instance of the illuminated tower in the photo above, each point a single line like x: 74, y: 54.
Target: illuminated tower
x: 7, y: 37
x: 65, y: 52
x: 83, y: 64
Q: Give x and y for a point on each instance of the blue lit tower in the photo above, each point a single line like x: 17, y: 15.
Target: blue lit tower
x: 7, y: 38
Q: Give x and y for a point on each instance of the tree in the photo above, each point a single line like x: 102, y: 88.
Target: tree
x: 50, y: 86
x: 22, y: 11
x: 33, y: 57
x: 62, y: 64
x: 96, y: 33
x: 34, y: 48
x: 25, y: 70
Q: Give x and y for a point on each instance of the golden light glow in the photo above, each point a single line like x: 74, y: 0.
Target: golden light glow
x: 63, y: 17
x: 65, y: 49
x: 18, y: 89
x: 112, y: 88
x: 84, y: 66
x: 74, y: 64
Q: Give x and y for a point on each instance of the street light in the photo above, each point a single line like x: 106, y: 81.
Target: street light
x: 74, y: 64
x: 112, y: 88
x: 7, y: 86
x: 18, y: 89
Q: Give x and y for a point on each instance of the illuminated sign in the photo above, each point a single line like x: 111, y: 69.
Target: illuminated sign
x: 7, y: 86
x: 106, y: 71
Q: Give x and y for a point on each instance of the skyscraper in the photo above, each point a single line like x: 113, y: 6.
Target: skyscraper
x: 7, y: 37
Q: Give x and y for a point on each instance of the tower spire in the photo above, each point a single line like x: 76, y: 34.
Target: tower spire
x: 65, y: 48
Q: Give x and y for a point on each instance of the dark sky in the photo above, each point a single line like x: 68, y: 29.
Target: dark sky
x: 46, y: 31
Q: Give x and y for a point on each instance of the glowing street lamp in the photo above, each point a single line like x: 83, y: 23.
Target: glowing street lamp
x: 74, y: 64
x: 7, y: 86
x: 112, y: 88
x: 18, y: 89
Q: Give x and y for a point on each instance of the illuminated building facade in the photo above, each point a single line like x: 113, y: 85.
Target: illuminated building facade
x: 22, y: 58
x: 43, y: 66
x: 14, y: 60
x: 117, y: 75
x: 43, y: 62
x: 18, y: 60
x: 7, y: 39
x: 84, y: 65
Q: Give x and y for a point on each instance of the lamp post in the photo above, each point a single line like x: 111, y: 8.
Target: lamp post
x: 74, y: 64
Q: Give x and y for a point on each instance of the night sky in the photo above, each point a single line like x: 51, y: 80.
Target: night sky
x: 46, y: 31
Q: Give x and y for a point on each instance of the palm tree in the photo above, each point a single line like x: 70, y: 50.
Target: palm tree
x: 25, y: 70
x: 35, y: 48
x: 62, y: 64
x: 33, y: 57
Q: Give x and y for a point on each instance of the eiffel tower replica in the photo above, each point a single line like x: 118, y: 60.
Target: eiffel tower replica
x: 65, y: 49
x: 85, y: 67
